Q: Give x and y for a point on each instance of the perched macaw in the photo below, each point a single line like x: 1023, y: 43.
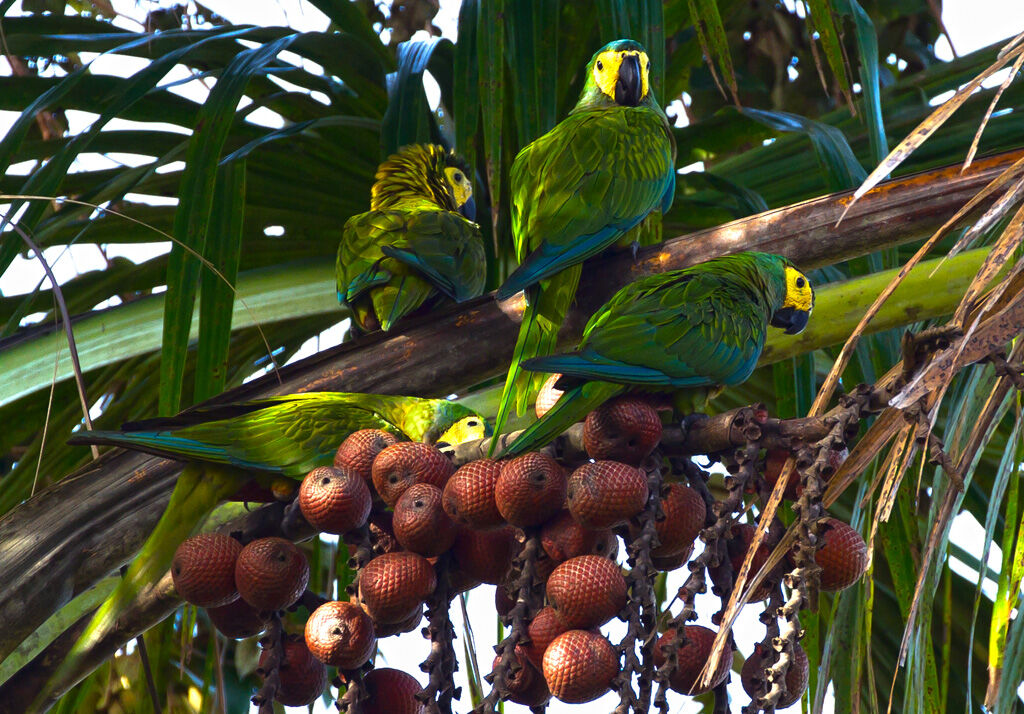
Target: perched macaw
x: 225, y: 445
x: 417, y: 240
x: 576, y: 191
x: 701, y: 326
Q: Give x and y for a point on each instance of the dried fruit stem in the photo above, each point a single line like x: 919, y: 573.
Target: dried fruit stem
x: 527, y: 603
x: 272, y: 641
x: 441, y: 663
x: 351, y: 702
x: 641, y: 608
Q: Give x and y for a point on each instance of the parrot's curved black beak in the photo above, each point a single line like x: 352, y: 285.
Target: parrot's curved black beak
x: 629, y: 88
x: 790, y: 319
x: 468, y: 209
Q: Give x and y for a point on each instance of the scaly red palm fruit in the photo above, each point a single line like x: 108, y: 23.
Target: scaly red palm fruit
x: 391, y: 691
x: 624, y: 429
x: 579, y: 666
x: 843, y: 555
x: 392, y: 586
x: 485, y: 555
x: 743, y: 536
x: 545, y: 626
x: 692, y: 657
x: 358, y: 451
x: 401, y: 465
x: 603, y: 494
x: 303, y: 676
x: 469, y: 495
x: 547, y: 396
x: 334, y: 500
x: 563, y: 538
x: 684, y: 519
x: 271, y: 573
x: 796, y: 676
x: 530, y: 489
x: 420, y: 523
x: 237, y: 620
x: 587, y: 591
x: 526, y: 685
x: 666, y: 563
x: 340, y: 634
x: 203, y: 569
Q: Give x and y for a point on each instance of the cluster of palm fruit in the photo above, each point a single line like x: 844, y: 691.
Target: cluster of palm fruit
x: 418, y: 519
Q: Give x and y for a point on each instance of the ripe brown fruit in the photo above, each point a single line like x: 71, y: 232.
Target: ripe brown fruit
x: 684, y: 519
x: 526, y: 684
x: 303, y: 676
x: 469, y: 495
x: 391, y: 691
x: 394, y: 585
x: 358, y: 451
x: 340, y: 634
x: 692, y: 657
x: 743, y: 536
x: 400, y: 465
x: 271, y: 573
x: 843, y: 555
x: 397, y: 628
x: 625, y: 429
x: 579, y: 666
x: 485, y: 555
x: 587, y: 591
x: 530, y: 489
x: 545, y: 626
x: 203, y: 569
x: 334, y: 500
x: 420, y: 523
x: 548, y: 395
x: 603, y: 494
x: 238, y: 619
x: 796, y: 676
x: 563, y: 538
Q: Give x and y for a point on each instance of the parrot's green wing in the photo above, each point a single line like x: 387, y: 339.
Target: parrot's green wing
x: 579, y: 187
x: 402, y: 256
x: 288, y: 435
x: 678, y: 329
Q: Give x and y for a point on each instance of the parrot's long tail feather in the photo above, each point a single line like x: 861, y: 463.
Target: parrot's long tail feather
x: 538, y: 335
x: 197, y: 492
x: 571, y: 407
x: 158, y: 443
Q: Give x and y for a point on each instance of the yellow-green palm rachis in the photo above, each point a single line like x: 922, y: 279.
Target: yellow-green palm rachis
x: 413, y: 244
x: 576, y: 191
x: 226, y: 445
x: 697, y: 327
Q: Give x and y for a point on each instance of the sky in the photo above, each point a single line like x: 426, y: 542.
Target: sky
x: 971, y: 23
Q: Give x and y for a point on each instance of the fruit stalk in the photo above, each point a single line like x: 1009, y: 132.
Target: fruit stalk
x: 642, y: 622
x: 441, y: 664
x: 273, y: 642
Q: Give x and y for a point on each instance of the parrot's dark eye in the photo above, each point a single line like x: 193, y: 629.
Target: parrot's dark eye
x: 458, y: 176
x: 799, y: 282
x: 472, y: 422
x: 600, y: 65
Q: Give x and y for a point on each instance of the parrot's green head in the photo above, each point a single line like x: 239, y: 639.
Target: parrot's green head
x: 428, y: 171
x: 619, y: 74
x: 797, y: 297
x: 454, y: 424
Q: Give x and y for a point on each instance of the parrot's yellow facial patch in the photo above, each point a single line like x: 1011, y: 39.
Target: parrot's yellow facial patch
x: 461, y: 188
x: 799, y: 293
x: 606, y: 70
x: 470, y: 428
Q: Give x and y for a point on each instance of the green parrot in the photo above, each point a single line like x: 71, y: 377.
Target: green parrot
x: 412, y: 244
x: 701, y: 326
x: 225, y: 445
x: 578, y: 190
